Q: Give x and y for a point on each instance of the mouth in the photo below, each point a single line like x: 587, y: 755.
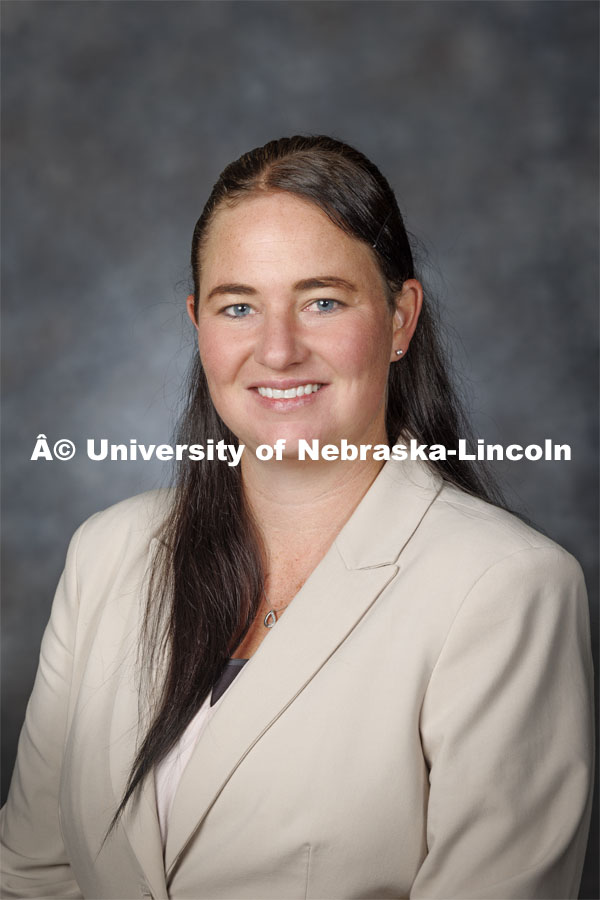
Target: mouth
x: 287, y: 396
x: 290, y: 393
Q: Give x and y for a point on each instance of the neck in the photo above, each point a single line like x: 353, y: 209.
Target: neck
x: 299, y: 508
x: 298, y: 502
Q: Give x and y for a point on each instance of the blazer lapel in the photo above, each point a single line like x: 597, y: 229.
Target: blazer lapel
x: 340, y: 591
x: 318, y: 620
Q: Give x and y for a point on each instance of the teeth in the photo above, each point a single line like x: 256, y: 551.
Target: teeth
x: 301, y: 391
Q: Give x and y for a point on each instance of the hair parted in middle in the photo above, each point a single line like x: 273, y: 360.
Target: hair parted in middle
x: 208, y: 577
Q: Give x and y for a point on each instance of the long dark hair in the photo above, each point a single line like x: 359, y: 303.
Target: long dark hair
x: 207, y: 577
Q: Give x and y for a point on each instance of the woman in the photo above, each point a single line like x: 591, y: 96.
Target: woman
x: 413, y: 719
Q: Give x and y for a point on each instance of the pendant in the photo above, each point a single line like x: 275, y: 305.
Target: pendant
x: 270, y: 619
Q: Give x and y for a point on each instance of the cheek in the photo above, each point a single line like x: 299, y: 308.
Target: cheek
x: 217, y: 352
x: 209, y: 354
x: 362, y: 354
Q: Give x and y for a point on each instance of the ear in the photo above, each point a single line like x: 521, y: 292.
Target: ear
x: 190, y: 309
x: 408, y: 304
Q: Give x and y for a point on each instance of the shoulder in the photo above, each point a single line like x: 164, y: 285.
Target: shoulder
x: 491, y: 565
x: 127, y: 528
x: 434, y: 519
x: 458, y: 541
x: 141, y: 513
x: 411, y: 518
x: 494, y: 535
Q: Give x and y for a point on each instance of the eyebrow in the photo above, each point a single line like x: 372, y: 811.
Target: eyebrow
x: 307, y: 284
x: 231, y: 289
x: 310, y: 284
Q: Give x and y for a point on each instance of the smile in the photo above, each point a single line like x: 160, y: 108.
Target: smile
x: 289, y: 393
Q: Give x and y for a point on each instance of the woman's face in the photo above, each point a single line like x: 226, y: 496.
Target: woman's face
x: 294, y: 329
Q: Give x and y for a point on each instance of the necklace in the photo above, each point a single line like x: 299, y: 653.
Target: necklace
x: 271, y: 617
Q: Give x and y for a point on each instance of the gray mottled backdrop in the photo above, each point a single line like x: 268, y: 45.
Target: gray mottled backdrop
x: 118, y: 116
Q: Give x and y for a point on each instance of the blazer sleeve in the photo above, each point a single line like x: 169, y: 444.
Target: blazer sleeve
x: 34, y: 860
x: 506, y: 727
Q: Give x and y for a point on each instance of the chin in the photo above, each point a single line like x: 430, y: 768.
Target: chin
x: 292, y: 438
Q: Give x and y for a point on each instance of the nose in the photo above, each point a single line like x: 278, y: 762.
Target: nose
x: 280, y: 343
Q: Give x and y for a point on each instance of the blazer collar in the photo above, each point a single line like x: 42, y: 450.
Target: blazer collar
x: 343, y: 587
x: 388, y: 514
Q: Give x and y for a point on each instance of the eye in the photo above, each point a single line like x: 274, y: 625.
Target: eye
x: 326, y: 305
x: 237, y: 310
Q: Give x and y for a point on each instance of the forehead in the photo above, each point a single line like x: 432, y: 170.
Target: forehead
x: 282, y: 237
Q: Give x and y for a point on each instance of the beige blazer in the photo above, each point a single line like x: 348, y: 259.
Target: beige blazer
x: 418, y: 723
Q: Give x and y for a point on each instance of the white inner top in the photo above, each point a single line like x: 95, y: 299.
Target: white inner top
x: 169, y: 771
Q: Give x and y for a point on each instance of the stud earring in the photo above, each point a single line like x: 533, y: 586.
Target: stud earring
x: 399, y: 352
